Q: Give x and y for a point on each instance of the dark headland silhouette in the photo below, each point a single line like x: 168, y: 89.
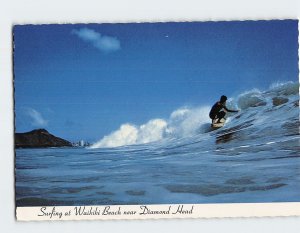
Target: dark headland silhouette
x: 39, y: 138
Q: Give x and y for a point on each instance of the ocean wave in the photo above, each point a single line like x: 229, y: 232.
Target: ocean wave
x: 188, y: 121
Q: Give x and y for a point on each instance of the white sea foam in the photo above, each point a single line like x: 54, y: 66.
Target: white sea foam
x: 251, y: 98
x: 186, y: 121
x: 125, y: 135
x: 287, y: 88
x: 181, y: 123
x: 129, y: 134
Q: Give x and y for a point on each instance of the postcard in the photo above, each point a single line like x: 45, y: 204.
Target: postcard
x: 156, y: 120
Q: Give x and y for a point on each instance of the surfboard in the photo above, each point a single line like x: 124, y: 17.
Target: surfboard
x: 220, y: 124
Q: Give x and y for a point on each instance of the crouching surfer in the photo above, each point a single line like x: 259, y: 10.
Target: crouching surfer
x: 216, y: 113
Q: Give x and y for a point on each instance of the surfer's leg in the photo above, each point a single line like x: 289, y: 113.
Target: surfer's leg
x: 220, y: 116
x: 212, y: 117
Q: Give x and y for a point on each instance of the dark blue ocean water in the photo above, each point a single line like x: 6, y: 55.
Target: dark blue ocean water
x: 255, y: 157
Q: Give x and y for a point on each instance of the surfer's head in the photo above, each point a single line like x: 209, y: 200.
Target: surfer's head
x: 223, y: 99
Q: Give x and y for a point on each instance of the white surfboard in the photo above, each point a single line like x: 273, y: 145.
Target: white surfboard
x: 217, y: 125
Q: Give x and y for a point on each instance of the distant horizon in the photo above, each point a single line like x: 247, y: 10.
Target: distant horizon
x: 83, y: 81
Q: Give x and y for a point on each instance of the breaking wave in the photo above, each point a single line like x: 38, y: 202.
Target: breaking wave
x: 188, y: 121
x: 181, y: 123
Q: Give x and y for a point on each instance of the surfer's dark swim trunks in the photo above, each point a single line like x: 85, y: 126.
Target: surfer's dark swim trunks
x: 215, y: 110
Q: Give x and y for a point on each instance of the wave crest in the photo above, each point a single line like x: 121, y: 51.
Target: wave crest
x: 181, y: 123
x: 251, y: 98
x: 188, y: 121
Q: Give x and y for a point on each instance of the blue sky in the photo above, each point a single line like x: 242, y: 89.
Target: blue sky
x: 83, y: 81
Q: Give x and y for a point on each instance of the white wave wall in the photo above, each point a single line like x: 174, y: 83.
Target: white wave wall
x: 181, y: 123
x: 129, y: 134
x: 187, y: 121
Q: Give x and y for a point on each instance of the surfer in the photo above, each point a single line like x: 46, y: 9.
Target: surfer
x: 216, y: 113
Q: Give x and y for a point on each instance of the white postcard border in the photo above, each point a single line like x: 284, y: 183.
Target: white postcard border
x: 127, y: 212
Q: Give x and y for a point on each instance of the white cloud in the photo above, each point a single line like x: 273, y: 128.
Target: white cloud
x: 37, y: 119
x: 101, y: 42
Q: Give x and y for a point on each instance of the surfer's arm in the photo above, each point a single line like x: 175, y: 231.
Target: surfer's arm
x: 228, y: 110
